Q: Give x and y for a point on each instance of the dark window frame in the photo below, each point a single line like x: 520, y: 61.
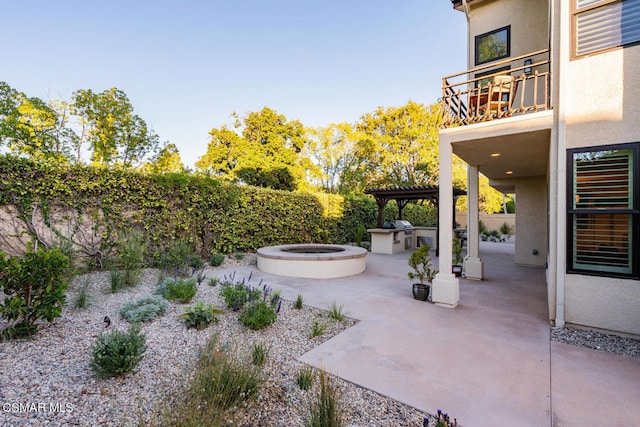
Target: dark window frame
x: 477, y: 39
x: 634, y: 212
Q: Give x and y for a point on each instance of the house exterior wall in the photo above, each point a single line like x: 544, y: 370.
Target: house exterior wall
x: 600, y: 109
x: 531, y: 221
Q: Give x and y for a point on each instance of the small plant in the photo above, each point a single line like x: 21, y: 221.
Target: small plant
x: 239, y: 256
x: 456, y: 250
x: 34, y: 288
x: 200, y: 315
x: 359, y: 234
x: 117, y: 353
x: 145, y: 309
x: 259, y: 354
x: 298, y: 303
x: 180, y: 290
x: 506, y: 229
x: 201, y: 276
x: 180, y: 260
x: 441, y: 420
x: 317, y: 329
x: 216, y: 259
x: 213, y: 282
x: 258, y: 315
x: 305, y: 378
x: 420, y: 261
x: 482, y: 229
x: 237, y: 293
x: 129, y: 261
x: 83, y: 296
x: 326, y: 409
x: 222, y: 380
x: 335, y: 312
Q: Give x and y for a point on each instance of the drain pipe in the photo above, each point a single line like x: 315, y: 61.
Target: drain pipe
x: 467, y: 11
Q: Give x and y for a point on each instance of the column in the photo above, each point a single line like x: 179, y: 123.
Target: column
x: 473, y: 266
x: 446, y: 288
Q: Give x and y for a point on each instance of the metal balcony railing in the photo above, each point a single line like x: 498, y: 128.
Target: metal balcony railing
x: 507, y: 88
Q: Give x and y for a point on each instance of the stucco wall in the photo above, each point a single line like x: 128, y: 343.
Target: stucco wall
x: 603, y: 303
x: 490, y: 221
x: 531, y: 221
x: 528, y: 20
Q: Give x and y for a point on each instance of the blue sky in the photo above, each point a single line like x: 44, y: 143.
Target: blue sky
x: 187, y: 65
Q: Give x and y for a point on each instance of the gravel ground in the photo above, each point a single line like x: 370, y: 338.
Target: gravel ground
x: 48, y: 381
x: 610, y: 343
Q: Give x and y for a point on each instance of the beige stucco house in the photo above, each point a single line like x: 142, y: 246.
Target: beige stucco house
x: 549, y: 109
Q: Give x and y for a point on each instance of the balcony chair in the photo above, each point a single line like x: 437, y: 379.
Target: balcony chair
x: 494, y: 100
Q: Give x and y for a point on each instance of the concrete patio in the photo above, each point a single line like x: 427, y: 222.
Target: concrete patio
x: 489, y: 362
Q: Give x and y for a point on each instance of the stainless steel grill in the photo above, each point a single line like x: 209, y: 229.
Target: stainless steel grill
x: 408, y: 229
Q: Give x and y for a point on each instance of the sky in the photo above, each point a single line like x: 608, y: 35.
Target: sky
x: 187, y: 65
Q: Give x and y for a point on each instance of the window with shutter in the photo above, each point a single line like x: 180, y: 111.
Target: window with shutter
x: 603, y: 210
x: 603, y: 24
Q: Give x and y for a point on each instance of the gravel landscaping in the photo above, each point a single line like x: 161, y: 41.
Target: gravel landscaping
x: 48, y: 380
x: 610, y: 343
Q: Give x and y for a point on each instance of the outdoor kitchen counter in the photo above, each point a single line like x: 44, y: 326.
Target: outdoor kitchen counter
x: 387, y: 240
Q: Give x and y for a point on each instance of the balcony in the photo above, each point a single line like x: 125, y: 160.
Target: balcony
x: 509, y: 88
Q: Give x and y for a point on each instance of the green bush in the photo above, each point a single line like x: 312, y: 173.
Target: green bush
x: 506, y: 229
x: 326, y: 409
x: 145, y: 309
x: 200, y: 315
x: 129, y: 261
x: 180, y: 290
x: 117, y: 353
x: 258, y: 314
x: 237, y: 293
x: 34, y: 289
x: 216, y: 259
x: 298, y: 303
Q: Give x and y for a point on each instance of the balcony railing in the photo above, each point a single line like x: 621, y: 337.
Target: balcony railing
x: 507, y: 88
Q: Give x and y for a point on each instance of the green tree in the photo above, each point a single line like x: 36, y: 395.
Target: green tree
x: 116, y: 135
x: 270, y: 152
x: 167, y: 160
x: 34, y: 128
x: 397, y: 146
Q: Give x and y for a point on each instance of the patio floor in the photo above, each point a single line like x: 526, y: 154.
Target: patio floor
x: 488, y: 362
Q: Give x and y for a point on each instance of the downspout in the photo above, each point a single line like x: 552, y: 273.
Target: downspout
x: 467, y: 11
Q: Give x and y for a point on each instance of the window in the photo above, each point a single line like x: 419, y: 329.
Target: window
x: 604, y: 214
x: 603, y: 24
x: 493, y: 45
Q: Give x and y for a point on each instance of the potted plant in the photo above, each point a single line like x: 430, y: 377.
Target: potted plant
x: 456, y: 253
x: 420, y: 261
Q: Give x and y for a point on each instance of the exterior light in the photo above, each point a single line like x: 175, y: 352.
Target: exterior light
x: 495, y: 154
x: 527, y: 70
x: 509, y: 172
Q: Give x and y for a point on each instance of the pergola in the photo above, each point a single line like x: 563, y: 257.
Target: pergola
x: 403, y: 195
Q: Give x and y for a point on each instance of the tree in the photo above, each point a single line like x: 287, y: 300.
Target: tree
x: 167, y: 160
x: 397, y: 146
x: 34, y: 128
x: 270, y: 152
x: 115, y: 133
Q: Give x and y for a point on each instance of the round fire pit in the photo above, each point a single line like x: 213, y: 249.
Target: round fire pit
x: 315, y: 261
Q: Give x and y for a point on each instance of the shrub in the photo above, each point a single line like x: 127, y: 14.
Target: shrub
x: 258, y: 315
x: 216, y: 259
x: 482, y: 228
x: 145, y: 309
x: 506, y: 229
x: 326, y: 409
x: 200, y: 315
x: 305, y: 378
x: 129, y: 261
x: 34, y: 288
x: 236, y: 293
x: 259, y: 354
x: 335, y: 312
x: 180, y: 260
x: 239, y: 256
x: 83, y: 296
x: 222, y: 380
x: 117, y: 353
x: 180, y: 290
x: 298, y: 303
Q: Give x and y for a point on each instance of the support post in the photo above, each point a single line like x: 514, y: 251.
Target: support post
x: 473, y: 266
x: 446, y: 288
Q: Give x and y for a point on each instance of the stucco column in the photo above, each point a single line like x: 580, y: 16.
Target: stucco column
x: 473, y: 266
x: 446, y: 288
